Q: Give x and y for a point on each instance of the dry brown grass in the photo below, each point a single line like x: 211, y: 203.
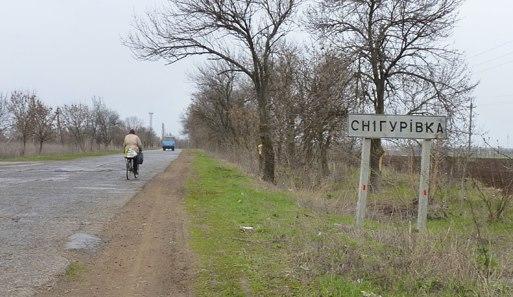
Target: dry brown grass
x: 455, y: 258
x: 401, y: 262
x: 14, y: 149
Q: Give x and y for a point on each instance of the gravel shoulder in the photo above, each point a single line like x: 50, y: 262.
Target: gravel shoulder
x: 145, y: 251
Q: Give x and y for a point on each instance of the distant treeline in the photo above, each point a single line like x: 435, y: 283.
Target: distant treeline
x: 26, y: 119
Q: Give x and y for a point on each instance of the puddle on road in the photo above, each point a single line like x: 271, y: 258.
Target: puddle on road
x: 102, y: 188
x: 83, y: 241
x: 7, y: 182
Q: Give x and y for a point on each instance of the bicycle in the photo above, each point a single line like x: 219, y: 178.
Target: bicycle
x: 130, y: 168
x: 129, y: 160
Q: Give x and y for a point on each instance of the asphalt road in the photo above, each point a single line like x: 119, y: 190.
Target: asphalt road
x: 43, y: 204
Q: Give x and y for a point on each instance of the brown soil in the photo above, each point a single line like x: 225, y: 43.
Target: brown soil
x: 146, y: 253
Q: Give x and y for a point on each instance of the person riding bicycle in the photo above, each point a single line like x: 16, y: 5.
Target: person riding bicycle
x: 133, y: 142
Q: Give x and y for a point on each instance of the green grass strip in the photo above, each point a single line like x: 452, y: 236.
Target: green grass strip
x: 233, y: 262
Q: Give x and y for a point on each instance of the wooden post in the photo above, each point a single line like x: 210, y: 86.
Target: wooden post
x: 424, y: 184
x: 363, y: 189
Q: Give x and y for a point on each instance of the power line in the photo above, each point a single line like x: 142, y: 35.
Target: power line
x: 496, y: 103
x: 494, y: 59
x: 501, y: 96
x: 491, y: 49
x: 496, y: 66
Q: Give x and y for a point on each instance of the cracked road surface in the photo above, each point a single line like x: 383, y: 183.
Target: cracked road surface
x: 42, y: 204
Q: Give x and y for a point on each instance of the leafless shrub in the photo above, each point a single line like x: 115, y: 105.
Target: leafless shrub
x: 497, y: 201
x: 221, y: 117
x: 133, y: 123
x: 22, y: 121
x: 4, y: 115
x: 106, y: 123
x: 43, y: 118
x: 76, y: 120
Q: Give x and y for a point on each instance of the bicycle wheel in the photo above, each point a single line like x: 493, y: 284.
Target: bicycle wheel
x: 128, y: 168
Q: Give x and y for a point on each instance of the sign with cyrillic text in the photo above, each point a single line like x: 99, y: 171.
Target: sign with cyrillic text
x: 393, y: 126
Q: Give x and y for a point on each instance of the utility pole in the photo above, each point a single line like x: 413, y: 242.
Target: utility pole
x: 59, y: 127
x: 151, y: 121
x: 151, y: 128
x: 470, y: 126
x: 163, y: 131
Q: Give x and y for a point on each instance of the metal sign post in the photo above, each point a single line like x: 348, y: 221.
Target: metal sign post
x: 386, y: 126
x: 363, y: 189
x: 424, y: 184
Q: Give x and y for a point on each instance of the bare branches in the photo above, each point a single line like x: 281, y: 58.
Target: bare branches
x: 219, y: 107
x: 43, y: 118
x: 26, y: 118
x: 76, y: 118
x: 4, y: 114
x: 394, y: 41
x: 396, y: 48
x: 19, y: 107
x: 241, y: 33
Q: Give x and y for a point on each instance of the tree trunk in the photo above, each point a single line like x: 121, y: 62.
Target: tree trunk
x: 40, y: 147
x: 279, y: 148
x: 264, y: 128
x: 24, y: 146
x: 290, y: 142
x: 377, y: 150
x: 323, y: 152
x: 82, y: 144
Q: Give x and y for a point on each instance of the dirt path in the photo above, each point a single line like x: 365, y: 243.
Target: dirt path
x: 146, y: 253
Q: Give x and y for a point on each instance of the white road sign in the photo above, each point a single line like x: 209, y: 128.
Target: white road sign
x: 393, y: 126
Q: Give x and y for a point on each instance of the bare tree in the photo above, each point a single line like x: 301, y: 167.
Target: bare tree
x: 60, y: 130
x: 105, y: 123
x: 327, y: 104
x: 310, y: 101
x: 97, y: 113
x: 22, y: 122
x: 214, y: 103
x: 43, y: 118
x: 243, y: 33
x: 148, y: 137
x: 76, y: 117
x: 133, y: 123
x: 109, y: 125
x: 397, y: 52
x: 4, y: 114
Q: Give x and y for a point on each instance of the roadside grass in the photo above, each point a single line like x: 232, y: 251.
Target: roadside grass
x: 60, y: 156
x: 74, y: 270
x: 238, y: 262
x: 298, y: 250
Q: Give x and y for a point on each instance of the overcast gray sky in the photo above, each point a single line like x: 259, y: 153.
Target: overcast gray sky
x: 485, y: 33
x: 68, y: 51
